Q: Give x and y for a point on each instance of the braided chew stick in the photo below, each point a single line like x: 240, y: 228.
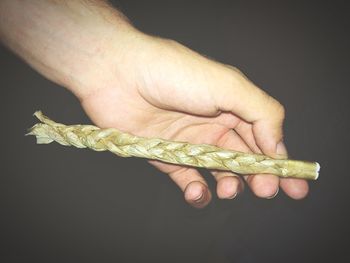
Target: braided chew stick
x: 202, y: 155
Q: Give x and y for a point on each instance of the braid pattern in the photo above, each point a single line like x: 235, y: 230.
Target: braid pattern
x: 182, y: 153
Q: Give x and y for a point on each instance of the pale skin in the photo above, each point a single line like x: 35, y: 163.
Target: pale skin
x: 152, y: 87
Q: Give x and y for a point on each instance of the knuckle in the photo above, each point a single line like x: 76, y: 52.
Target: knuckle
x: 234, y: 69
x: 281, y: 111
x: 278, y: 110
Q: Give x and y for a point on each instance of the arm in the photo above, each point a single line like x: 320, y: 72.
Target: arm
x: 150, y: 87
x: 65, y: 40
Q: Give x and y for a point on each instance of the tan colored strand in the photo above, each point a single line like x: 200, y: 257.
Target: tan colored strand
x: 183, y: 153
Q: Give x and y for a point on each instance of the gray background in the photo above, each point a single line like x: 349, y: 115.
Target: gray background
x: 67, y: 205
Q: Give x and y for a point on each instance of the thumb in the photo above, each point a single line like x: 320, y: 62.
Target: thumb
x: 241, y: 97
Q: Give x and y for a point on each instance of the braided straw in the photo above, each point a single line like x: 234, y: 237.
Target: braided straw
x: 183, y: 153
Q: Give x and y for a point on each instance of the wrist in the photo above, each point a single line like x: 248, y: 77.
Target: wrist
x: 102, y: 44
x: 76, y: 44
x: 105, y: 61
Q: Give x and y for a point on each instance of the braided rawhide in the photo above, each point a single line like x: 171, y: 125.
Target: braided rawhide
x: 203, y: 155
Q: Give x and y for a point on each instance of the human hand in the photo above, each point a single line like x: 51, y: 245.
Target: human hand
x: 163, y: 89
x: 150, y: 87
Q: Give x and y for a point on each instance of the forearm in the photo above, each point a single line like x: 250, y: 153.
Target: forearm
x: 66, y: 41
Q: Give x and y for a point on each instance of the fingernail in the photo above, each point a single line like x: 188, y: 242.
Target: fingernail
x: 233, y: 196
x: 199, y: 198
x: 281, y: 150
x: 239, y: 190
x: 274, y: 195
